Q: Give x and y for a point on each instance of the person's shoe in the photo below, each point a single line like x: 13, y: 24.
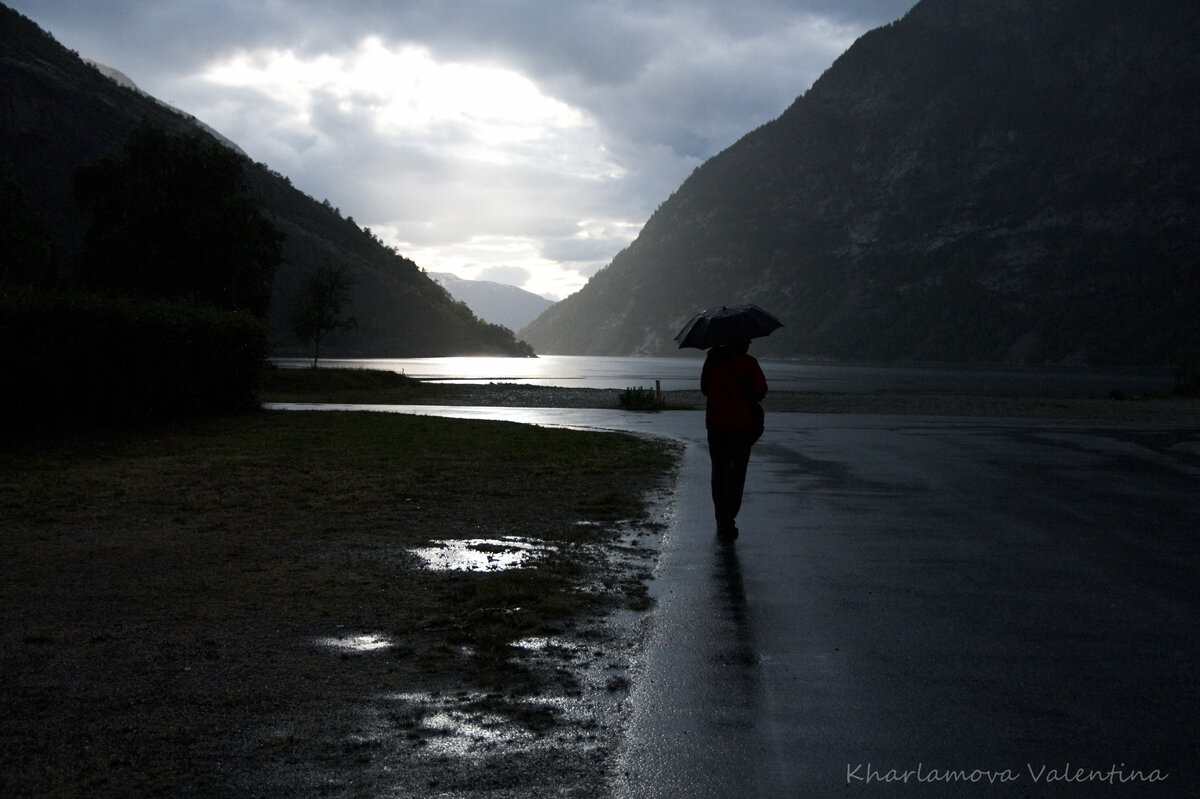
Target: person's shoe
x: 727, y: 532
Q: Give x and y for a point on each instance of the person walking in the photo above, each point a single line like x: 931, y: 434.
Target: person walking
x: 734, y: 385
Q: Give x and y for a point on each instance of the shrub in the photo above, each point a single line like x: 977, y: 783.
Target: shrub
x: 640, y: 399
x: 1187, y: 379
x: 84, y: 358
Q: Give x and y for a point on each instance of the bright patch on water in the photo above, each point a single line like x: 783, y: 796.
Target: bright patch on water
x: 480, y: 554
x: 356, y: 643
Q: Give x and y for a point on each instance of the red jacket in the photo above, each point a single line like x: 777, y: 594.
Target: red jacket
x: 733, y: 383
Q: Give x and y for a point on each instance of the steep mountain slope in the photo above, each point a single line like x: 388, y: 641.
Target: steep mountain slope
x: 983, y: 180
x: 497, y: 303
x: 57, y: 113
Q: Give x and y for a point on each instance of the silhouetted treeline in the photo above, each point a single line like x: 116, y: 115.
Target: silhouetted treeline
x: 170, y: 217
x: 26, y: 255
x: 164, y: 312
x: 74, y: 358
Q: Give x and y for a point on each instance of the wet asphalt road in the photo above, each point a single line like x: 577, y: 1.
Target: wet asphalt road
x: 1008, y: 602
x: 922, y: 607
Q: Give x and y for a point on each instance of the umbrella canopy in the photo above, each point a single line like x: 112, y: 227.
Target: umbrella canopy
x: 726, y: 325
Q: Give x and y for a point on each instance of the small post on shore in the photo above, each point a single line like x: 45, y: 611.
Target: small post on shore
x: 658, y: 391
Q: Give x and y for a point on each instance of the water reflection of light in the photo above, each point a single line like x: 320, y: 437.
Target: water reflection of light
x: 460, y: 733
x: 480, y: 554
x: 367, y: 642
x: 570, y: 371
x: 456, y: 726
x: 558, y: 646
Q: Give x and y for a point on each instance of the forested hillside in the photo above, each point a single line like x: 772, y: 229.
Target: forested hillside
x: 59, y: 115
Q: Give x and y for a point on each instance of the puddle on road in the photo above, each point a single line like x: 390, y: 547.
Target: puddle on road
x: 481, y: 554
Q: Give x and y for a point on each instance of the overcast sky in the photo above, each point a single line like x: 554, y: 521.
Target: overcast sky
x: 522, y: 141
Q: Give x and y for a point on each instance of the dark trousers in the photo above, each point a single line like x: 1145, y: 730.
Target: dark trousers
x: 730, y: 454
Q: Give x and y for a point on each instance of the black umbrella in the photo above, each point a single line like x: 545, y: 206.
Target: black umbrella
x: 728, y: 324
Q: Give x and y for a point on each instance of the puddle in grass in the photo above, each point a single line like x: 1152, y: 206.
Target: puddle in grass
x: 480, y: 554
x: 355, y: 643
x: 450, y: 726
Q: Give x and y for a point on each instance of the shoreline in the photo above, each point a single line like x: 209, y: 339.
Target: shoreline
x: 1174, y: 410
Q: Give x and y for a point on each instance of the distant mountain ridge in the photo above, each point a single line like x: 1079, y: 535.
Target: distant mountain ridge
x: 57, y: 113
x: 982, y: 180
x: 498, y: 303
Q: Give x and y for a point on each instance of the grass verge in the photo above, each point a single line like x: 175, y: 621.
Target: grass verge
x: 164, y: 591
x: 349, y: 386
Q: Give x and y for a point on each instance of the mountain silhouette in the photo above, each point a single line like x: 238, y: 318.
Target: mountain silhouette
x: 980, y: 181
x: 498, y: 303
x: 59, y: 113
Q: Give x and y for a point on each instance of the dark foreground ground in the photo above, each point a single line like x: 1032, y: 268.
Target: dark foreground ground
x: 243, y: 607
x: 123, y: 680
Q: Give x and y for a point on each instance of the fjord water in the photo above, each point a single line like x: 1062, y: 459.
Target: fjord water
x: 683, y: 373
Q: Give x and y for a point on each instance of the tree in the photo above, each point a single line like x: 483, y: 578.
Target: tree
x: 319, y: 305
x: 25, y: 248
x: 171, y: 218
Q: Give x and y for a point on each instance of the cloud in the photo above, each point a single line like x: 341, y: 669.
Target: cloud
x: 513, y: 275
x: 525, y: 138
